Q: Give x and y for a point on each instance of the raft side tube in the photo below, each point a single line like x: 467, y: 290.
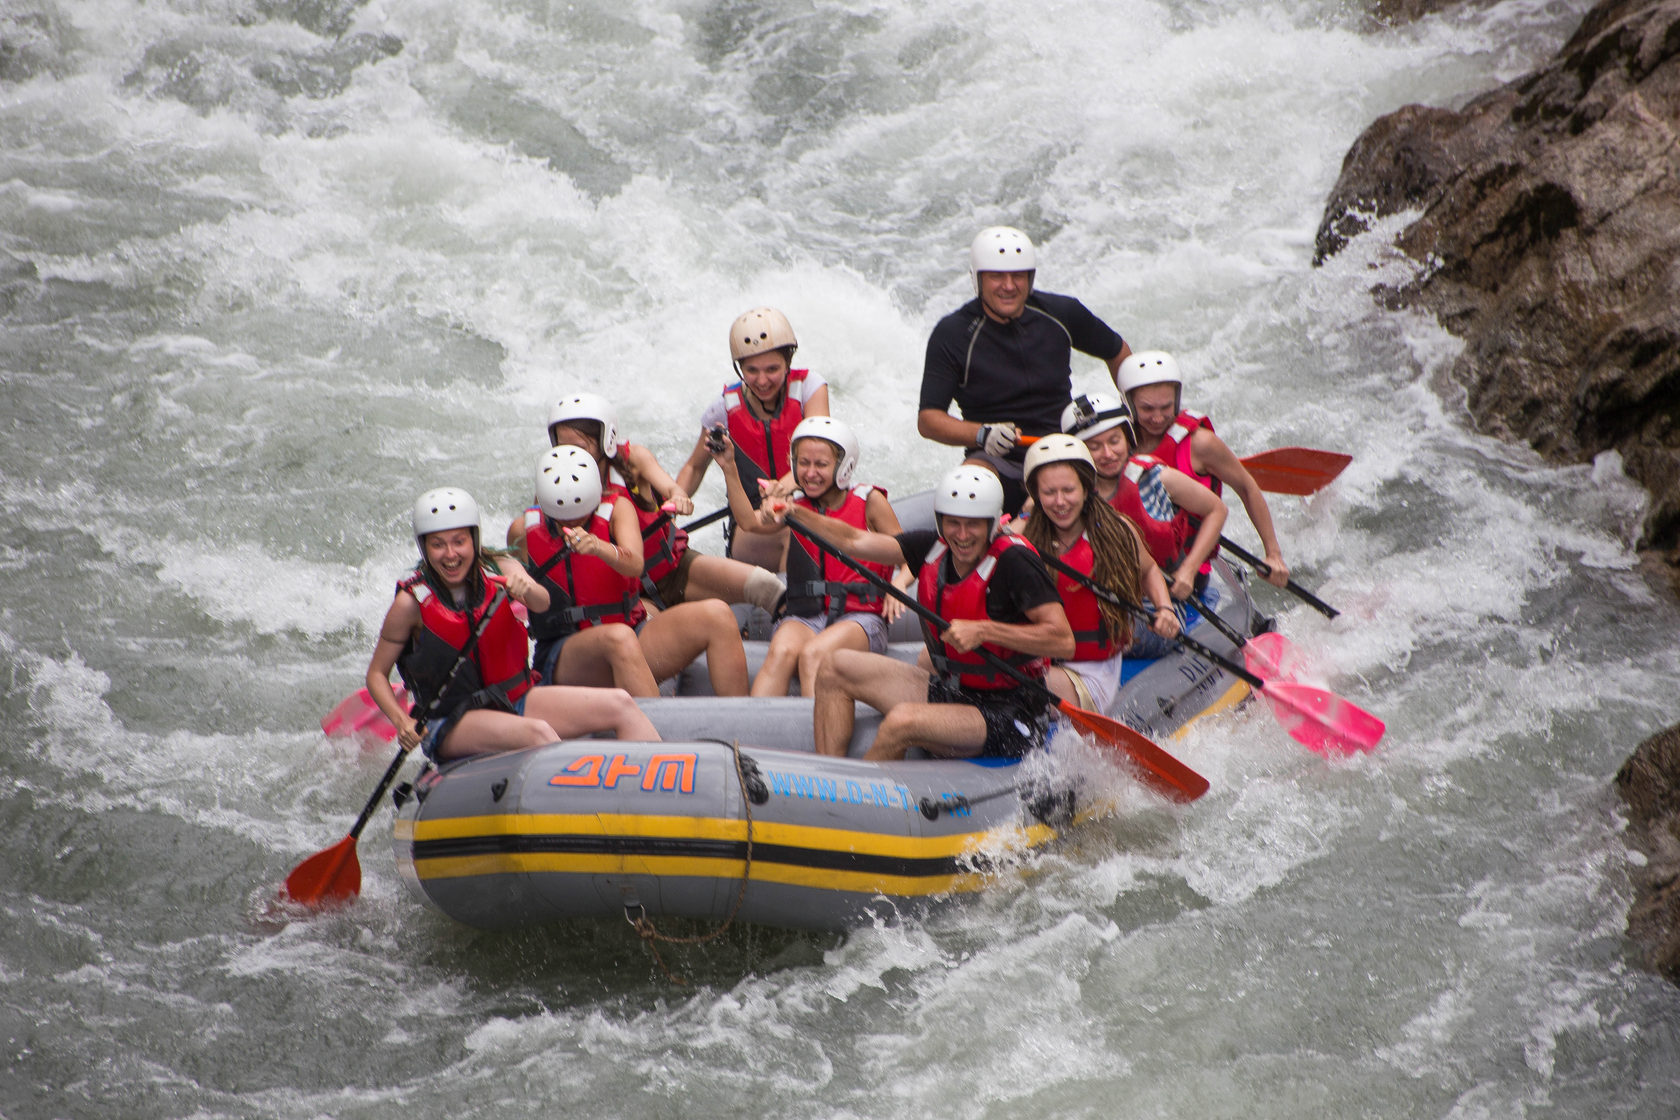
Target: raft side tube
x: 592, y: 827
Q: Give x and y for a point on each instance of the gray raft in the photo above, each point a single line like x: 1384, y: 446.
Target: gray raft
x: 734, y: 815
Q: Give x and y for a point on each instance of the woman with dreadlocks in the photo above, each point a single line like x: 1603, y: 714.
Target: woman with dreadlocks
x: 1072, y: 525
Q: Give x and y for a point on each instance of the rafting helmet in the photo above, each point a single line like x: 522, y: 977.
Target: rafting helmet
x: 1058, y: 448
x: 967, y: 491
x: 444, y: 508
x: 758, y: 332
x: 587, y: 406
x: 568, y: 483
x: 1147, y: 367
x: 1092, y: 414
x: 833, y: 431
x: 1000, y: 249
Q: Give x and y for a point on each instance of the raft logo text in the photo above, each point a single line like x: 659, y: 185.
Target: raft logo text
x: 673, y: 773
x: 878, y: 794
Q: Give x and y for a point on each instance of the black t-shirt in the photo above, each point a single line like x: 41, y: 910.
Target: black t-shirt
x: 1020, y: 582
x: 1020, y: 371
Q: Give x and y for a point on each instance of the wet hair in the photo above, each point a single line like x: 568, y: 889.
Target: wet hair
x: 1116, y: 551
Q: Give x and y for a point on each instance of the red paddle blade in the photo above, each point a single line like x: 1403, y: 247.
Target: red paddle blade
x: 1296, y: 470
x: 328, y: 878
x: 1158, y: 769
x: 1273, y: 656
x: 1322, y: 721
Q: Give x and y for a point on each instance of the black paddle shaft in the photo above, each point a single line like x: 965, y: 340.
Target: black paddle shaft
x: 1183, y: 639
x: 922, y: 612
x: 402, y: 753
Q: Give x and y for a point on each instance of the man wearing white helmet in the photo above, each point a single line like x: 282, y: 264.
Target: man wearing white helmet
x: 994, y: 593
x: 1005, y: 359
x: 1184, y: 439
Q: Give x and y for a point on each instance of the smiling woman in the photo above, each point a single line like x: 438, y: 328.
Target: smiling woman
x: 464, y: 656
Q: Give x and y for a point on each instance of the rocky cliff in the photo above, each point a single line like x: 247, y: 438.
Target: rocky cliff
x: 1549, y: 232
x: 1549, y: 239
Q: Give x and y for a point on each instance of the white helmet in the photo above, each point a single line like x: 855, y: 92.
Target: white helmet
x: 1092, y: 414
x: 1000, y: 249
x: 836, y: 432
x: 1056, y: 448
x: 759, y: 331
x: 1148, y: 367
x: 970, y: 492
x: 444, y: 508
x: 568, y: 483
x: 587, y: 406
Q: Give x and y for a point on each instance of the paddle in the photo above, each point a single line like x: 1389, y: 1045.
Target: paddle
x: 333, y: 876
x: 702, y: 522
x: 1166, y: 774
x: 1296, y: 470
x: 1263, y: 568
x: 358, y: 715
x: 1283, y: 470
x: 1314, y: 717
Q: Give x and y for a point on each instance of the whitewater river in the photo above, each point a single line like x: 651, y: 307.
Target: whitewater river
x: 275, y: 266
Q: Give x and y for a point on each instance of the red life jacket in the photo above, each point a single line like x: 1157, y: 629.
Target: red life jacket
x: 497, y: 671
x: 1084, y: 612
x: 663, y: 541
x: 819, y: 582
x: 766, y: 444
x: 584, y: 591
x: 1174, y: 448
x: 1166, y: 540
x: 967, y: 599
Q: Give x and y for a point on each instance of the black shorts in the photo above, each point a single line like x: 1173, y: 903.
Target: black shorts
x: 1016, y: 720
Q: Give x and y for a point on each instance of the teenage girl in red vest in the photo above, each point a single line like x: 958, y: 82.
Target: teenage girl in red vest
x: 1073, y: 524
x: 673, y: 572
x: 1157, y: 499
x: 488, y: 700
x: 829, y: 606
x: 759, y: 411
x: 1185, y: 440
x: 584, y: 547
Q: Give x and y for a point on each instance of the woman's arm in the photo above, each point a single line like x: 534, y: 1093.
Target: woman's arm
x: 623, y: 553
x: 521, y: 587
x: 1210, y: 456
x: 860, y: 544
x: 1199, y: 501
x: 400, y: 624
x: 740, y: 506
x: 663, y: 485
x: 692, y: 472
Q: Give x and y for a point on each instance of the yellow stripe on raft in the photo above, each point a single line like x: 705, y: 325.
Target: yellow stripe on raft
x: 1012, y: 838
x: 1236, y: 694
x: 664, y: 826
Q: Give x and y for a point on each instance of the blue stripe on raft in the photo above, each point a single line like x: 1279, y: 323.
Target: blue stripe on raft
x: 1132, y: 666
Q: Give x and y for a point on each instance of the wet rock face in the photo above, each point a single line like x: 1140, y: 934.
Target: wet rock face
x: 1550, y: 236
x: 1649, y: 782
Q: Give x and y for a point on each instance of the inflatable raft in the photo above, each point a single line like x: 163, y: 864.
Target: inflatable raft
x: 736, y: 817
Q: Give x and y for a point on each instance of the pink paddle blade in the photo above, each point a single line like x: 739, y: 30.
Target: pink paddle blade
x: 1273, y: 656
x: 1321, y: 721
x: 359, y: 716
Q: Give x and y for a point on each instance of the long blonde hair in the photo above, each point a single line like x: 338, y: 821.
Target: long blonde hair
x: 1116, y: 551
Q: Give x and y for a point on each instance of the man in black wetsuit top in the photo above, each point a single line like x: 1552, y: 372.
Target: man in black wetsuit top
x: 1005, y: 358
